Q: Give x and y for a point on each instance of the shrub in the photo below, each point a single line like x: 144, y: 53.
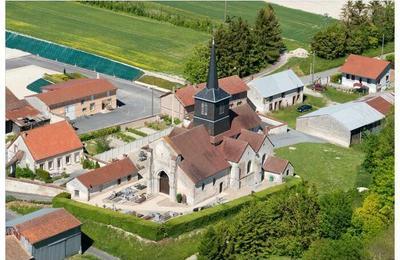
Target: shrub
x: 336, y: 78
x: 100, y: 133
x: 64, y: 195
x: 136, y: 132
x: 102, y: 144
x: 125, y: 138
x: 391, y: 59
x: 24, y: 173
x: 179, y: 197
x: 97, y: 165
x: 43, y: 175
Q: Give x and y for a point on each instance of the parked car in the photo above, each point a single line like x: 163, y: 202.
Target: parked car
x: 304, y: 108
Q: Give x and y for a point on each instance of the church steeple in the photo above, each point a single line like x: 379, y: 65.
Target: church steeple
x: 212, y: 79
x: 211, y: 107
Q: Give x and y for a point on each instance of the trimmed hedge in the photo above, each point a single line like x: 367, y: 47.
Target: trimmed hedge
x: 100, y: 133
x: 136, y: 132
x: 172, y: 228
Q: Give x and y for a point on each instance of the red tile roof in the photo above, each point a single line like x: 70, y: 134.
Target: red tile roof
x: 14, y: 249
x: 75, y: 90
x: 232, y: 149
x: 46, y: 226
x: 380, y: 104
x: 275, y: 165
x: 232, y: 85
x: 363, y: 66
x: 51, y: 140
x: 111, y: 172
x: 254, y: 139
x: 200, y: 159
x: 16, y: 108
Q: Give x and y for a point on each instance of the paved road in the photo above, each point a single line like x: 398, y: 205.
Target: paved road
x: 323, y: 75
x: 137, y: 99
x: 293, y: 137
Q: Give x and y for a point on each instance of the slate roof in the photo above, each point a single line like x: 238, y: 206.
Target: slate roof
x: 200, y: 159
x: 232, y: 85
x: 51, y: 140
x: 232, y: 148
x: 275, y: 165
x: 276, y: 83
x: 363, y: 66
x: 14, y: 249
x: 74, y: 90
x: 108, y: 173
x: 351, y: 115
x: 47, y: 225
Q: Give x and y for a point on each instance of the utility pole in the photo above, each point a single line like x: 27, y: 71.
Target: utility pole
x: 313, y: 66
x: 383, y: 43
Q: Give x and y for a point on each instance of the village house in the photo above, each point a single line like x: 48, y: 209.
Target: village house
x: 49, y: 233
x: 222, y: 148
x: 360, y: 72
x: 276, y: 91
x: 344, y: 124
x: 182, y: 102
x: 75, y: 98
x: 20, y: 116
x: 97, y: 180
x: 55, y: 148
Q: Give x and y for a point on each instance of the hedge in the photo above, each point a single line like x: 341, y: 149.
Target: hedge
x: 99, y: 133
x: 137, y: 132
x: 172, y: 228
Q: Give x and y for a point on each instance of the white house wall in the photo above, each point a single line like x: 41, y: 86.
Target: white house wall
x: 75, y: 184
x: 373, y: 85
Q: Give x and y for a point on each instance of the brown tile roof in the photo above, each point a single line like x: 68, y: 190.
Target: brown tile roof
x: 12, y: 100
x: 363, y: 66
x: 108, y: 173
x: 380, y: 104
x: 46, y: 226
x: 75, y: 90
x: 16, y: 108
x: 200, y: 158
x: 232, y: 149
x: 254, y: 139
x: 275, y: 165
x: 51, y: 140
x: 232, y: 85
x: 242, y: 117
x: 14, y: 249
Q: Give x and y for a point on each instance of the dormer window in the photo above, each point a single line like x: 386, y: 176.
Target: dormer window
x: 204, y: 108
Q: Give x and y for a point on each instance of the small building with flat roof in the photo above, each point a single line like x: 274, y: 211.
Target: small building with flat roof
x: 276, y: 91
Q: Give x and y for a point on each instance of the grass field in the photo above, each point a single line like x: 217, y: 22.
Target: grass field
x: 290, y: 114
x: 162, y: 83
x: 340, y: 96
x: 327, y: 166
x: 138, y: 41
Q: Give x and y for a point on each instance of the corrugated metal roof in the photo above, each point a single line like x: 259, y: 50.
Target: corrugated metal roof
x: 30, y: 216
x: 351, y: 115
x: 276, y: 83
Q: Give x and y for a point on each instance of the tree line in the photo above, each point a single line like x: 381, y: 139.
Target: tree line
x: 241, y: 49
x: 362, y: 26
x: 300, y: 223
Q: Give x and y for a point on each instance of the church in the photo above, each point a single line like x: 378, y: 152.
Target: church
x: 222, y: 148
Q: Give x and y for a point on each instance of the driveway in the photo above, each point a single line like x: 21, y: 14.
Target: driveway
x: 293, y: 137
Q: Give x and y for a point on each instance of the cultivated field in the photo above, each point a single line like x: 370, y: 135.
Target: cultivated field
x: 139, y: 41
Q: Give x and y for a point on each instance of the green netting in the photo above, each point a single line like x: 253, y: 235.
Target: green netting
x: 71, y: 56
x: 37, y: 85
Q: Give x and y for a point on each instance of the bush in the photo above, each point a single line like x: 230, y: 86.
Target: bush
x: 100, y: 133
x: 88, y: 164
x: 43, y: 175
x: 97, y: 165
x: 102, y: 144
x: 136, y: 132
x: 125, y: 138
x: 336, y: 78
x: 63, y: 195
x: 24, y: 173
x: 179, y: 198
x: 391, y: 59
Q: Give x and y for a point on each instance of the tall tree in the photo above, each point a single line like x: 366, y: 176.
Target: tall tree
x: 196, y: 66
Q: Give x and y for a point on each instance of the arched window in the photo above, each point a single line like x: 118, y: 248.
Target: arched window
x: 248, y: 166
x: 202, y: 186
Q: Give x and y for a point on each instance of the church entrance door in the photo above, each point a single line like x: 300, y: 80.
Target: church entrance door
x: 164, y: 183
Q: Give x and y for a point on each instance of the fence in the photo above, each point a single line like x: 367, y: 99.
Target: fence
x: 132, y: 146
x: 71, y: 56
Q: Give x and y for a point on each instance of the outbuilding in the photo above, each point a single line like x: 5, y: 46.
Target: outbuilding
x: 276, y: 91
x: 111, y: 175
x: 276, y: 169
x: 47, y: 234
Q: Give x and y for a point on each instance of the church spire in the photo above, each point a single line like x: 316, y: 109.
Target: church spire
x: 212, y: 80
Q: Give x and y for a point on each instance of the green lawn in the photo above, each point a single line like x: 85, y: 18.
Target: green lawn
x: 133, y: 40
x: 127, y: 247
x: 23, y: 207
x: 327, y: 166
x: 340, y: 96
x: 290, y: 114
x: 301, y: 66
x: 295, y: 24
x: 159, y: 82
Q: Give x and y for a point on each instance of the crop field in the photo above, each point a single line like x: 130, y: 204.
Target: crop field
x: 295, y: 24
x: 137, y: 41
